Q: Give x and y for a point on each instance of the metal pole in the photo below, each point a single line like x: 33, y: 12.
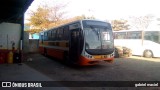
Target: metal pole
x: 21, y: 39
x: 22, y: 32
x: 143, y: 37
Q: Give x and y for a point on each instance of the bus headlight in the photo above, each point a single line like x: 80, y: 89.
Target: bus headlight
x: 105, y: 56
x: 89, y: 56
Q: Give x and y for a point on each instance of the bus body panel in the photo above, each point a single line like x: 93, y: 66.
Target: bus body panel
x: 53, y: 43
x: 134, y: 45
x: 86, y: 61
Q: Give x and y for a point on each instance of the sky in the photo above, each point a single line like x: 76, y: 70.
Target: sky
x: 104, y: 9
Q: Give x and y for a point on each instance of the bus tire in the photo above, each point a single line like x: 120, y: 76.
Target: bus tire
x: 45, y: 52
x: 148, y: 54
x: 66, y: 58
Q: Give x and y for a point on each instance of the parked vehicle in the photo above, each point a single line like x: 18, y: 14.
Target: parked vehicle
x: 121, y: 51
x: 83, y: 42
x: 143, y: 43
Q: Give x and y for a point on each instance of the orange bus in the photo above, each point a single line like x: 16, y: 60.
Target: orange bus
x: 82, y: 42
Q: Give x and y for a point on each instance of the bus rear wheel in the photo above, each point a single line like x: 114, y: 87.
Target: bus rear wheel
x: 148, y: 54
x: 45, y: 52
x: 66, y: 58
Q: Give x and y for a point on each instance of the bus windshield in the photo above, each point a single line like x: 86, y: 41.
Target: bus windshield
x: 98, y: 39
x: 153, y: 36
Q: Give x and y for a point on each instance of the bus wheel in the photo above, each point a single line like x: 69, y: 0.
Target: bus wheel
x: 66, y: 58
x: 148, y: 54
x: 45, y: 52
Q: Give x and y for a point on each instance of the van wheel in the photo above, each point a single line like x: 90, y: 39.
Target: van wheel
x: 148, y: 54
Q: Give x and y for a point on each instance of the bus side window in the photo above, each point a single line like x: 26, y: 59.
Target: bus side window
x: 121, y: 35
x: 60, y: 34
x: 134, y: 35
x: 128, y: 35
x: 115, y: 35
x: 52, y: 35
x: 45, y: 36
x: 42, y: 38
x: 66, y: 33
x: 139, y: 34
x: 55, y: 34
x: 49, y: 35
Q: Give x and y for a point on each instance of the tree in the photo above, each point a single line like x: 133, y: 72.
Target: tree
x: 57, y: 15
x: 120, y: 25
x: 141, y: 22
x: 39, y: 19
x: 45, y: 17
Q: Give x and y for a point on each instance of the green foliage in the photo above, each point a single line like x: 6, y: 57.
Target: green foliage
x: 120, y: 25
x: 39, y: 19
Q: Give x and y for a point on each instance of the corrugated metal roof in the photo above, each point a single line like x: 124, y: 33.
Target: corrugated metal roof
x: 13, y: 10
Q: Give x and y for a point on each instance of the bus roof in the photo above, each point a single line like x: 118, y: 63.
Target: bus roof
x: 73, y: 22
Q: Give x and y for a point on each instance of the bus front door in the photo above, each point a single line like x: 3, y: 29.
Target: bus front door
x: 74, y: 46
